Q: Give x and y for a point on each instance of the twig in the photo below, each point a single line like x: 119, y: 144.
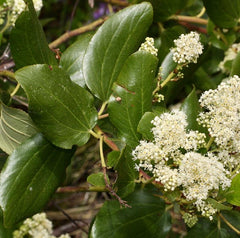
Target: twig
x: 111, y: 191
x: 70, y: 219
x: 193, y: 27
x: 103, y: 116
x: 116, y: 2
x: 63, y: 38
x: 74, y: 189
x: 189, y: 19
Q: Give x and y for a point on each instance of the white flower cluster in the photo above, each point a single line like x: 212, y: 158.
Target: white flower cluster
x: 148, y: 46
x: 230, y: 55
x: 187, y: 48
x: 174, y: 160
x: 222, y: 115
x: 36, y: 227
x: 16, y: 7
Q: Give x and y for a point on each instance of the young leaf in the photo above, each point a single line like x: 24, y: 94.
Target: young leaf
x: 134, y: 91
x: 224, y: 13
x: 233, y: 194
x: 28, y: 43
x: 114, y: 41
x: 15, y: 127
x: 29, y: 178
x: 146, y: 218
x: 62, y: 110
x: 96, y: 179
x: 72, y: 59
x: 145, y: 125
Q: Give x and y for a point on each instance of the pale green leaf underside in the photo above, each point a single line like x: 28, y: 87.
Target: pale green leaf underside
x: 15, y: 127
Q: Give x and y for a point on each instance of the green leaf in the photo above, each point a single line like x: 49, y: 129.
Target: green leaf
x: 28, y: 43
x: 132, y: 95
x: 167, y: 38
x: 163, y: 9
x: 192, y: 108
x: 72, y: 59
x: 126, y: 174
x: 236, y: 66
x: 96, y: 179
x: 168, y: 65
x: 224, y: 13
x: 207, y: 229
x: 233, y: 194
x: 29, y: 178
x: 113, y: 158
x: 15, y: 127
x: 217, y: 205
x: 4, y: 232
x: 146, y: 218
x: 62, y: 110
x: 145, y: 126
x: 233, y: 217
x: 114, y: 41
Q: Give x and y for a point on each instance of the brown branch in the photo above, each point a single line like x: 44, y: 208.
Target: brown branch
x: 193, y: 27
x: 65, y: 37
x: 189, y: 19
x: 116, y: 2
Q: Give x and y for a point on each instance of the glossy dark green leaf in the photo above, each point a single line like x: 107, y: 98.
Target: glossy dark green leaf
x: 192, y: 108
x: 163, y: 9
x: 236, y: 65
x: 132, y: 95
x: 62, y: 110
x: 167, y: 38
x: 146, y: 218
x: 233, y: 194
x: 29, y: 178
x: 15, y: 127
x: 126, y: 174
x: 72, y: 59
x: 207, y: 229
x: 27, y: 41
x: 168, y: 65
x: 233, y: 217
x: 96, y: 179
x: 145, y: 126
x: 224, y: 13
x: 114, y: 41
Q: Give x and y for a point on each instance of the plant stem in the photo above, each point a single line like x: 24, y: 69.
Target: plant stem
x: 63, y: 38
x: 103, y: 116
x: 94, y: 134
x: 229, y: 224
x: 160, y: 86
x: 211, y: 140
x: 189, y: 19
x: 101, y: 152
x: 15, y: 90
x: 102, y: 108
x: 6, y: 25
x: 201, y: 13
x: 7, y: 73
x: 72, y: 189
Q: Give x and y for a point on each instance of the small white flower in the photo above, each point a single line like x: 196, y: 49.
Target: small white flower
x: 148, y: 46
x: 222, y: 115
x: 188, y: 48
